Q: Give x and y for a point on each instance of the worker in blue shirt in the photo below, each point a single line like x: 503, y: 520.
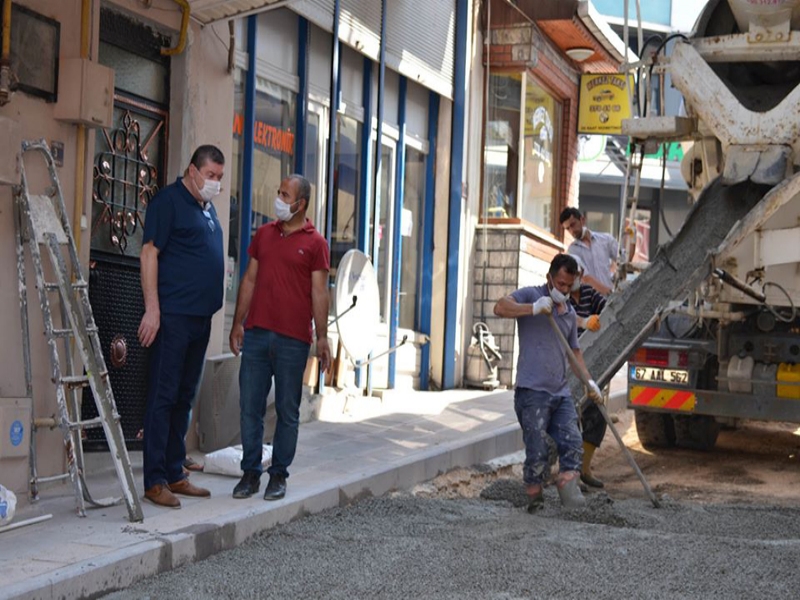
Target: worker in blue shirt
x: 182, y: 272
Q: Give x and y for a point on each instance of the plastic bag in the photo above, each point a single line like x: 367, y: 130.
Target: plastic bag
x: 226, y: 461
x: 8, y: 505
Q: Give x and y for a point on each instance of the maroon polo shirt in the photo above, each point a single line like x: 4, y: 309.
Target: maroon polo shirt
x: 282, y: 297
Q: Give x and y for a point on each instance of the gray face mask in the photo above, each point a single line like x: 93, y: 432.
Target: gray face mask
x: 576, y: 285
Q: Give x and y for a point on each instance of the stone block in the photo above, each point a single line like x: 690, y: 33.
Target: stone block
x: 503, y: 259
x: 521, y: 34
x: 511, y: 241
x: 494, y: 275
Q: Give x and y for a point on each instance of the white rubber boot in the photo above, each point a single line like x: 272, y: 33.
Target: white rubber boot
x: 568, y: 490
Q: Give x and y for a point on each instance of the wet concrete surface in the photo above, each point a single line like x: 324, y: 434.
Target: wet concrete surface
x: 467, y: 534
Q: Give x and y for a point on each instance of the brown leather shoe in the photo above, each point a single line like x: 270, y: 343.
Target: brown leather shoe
x: 160, y: 495
x: 185, y: 487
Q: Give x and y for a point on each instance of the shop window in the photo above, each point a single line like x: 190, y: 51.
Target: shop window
x: 501, y: 157
x: 411, y: 224
x: 346, y: 188
x: 601, y: 222
x: 540, y: 148
x: 234, y: 170
x: 521, y: 158
x: 273, y: 142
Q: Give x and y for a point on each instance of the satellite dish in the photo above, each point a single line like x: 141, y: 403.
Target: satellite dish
x: 357, y: 325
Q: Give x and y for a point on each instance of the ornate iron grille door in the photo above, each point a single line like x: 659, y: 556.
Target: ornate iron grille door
x: 129, y: 169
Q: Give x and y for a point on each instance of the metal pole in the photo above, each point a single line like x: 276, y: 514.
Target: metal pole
x: 301, y: 112
x: 426, y: 276
x: 396, y: 237
x: 334, y: 109
x: 455, y: 204
x: 579, y: 372
x: 245, y: 202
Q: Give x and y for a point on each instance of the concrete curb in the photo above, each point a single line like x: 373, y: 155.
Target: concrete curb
x: 121, y: 568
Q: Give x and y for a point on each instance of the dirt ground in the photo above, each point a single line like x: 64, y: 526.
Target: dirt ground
x: 757, y: 463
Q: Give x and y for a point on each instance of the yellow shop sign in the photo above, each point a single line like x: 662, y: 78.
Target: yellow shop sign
x: 604, y: 103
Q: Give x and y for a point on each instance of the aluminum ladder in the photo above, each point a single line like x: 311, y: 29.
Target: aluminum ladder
x: 42, y: 223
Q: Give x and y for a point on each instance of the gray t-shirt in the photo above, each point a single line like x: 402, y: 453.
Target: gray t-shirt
x: 598, y: 256
x: 542, y: 363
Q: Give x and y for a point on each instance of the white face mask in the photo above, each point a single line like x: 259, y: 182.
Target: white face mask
x: 283, y: 211
x: 584, y: 231
x: 557, y: 296
x: 210, y: 190
x: 576, y: 285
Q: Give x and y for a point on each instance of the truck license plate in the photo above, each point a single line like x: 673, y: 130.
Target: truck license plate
x: 673, y: 376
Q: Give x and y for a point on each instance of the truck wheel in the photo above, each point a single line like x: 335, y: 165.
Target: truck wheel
x: 696, y: 432
x: 656, y: 430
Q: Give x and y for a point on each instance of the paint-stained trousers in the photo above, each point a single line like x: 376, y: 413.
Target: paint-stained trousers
x: 540, y: 415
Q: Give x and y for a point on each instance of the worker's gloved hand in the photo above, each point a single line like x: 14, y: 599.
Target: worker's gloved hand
x: 543, y: 306
x: 594, y: 393
x: 592, y: 323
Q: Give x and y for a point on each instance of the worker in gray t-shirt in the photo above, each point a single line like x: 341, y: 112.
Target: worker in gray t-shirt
x: 542, y: 399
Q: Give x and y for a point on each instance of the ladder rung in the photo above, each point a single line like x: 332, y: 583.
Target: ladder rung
x: 69, y: 332
x: 52, y: 478
x: 75, y: 381
x: 89, y: 424
x: 75, y: 286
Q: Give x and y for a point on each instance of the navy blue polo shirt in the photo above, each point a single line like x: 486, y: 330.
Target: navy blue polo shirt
x: 191, y: 261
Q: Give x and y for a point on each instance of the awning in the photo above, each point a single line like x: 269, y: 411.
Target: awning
x: 211, y: 11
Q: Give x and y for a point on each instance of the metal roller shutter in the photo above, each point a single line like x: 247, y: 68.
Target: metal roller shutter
x: 420, y: 35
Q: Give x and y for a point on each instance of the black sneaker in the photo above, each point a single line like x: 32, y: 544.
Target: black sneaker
x: 248, y: 485
x: 276, y: 488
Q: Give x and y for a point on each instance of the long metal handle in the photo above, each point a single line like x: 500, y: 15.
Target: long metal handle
x: 574, y: 362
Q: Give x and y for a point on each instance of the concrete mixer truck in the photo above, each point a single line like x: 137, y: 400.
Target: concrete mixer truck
x: 711, y: 329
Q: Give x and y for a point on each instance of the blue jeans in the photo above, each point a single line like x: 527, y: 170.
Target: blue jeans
x: 541, y: 414
x: 175, y: 364
x: 266, y: 354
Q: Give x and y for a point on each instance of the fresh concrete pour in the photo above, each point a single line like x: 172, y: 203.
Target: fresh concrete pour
x: 441, y: 542
x: 678, y: 268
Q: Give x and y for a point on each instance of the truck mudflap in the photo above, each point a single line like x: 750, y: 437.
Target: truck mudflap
x: 640, y: 396
x: 726, y: 405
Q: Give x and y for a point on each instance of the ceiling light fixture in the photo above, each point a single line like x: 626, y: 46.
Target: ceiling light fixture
x: 580, y: 54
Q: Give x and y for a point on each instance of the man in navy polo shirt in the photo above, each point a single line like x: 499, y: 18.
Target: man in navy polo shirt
x: 182, y: 270
x: 542, y: 399
x: 284, y: 288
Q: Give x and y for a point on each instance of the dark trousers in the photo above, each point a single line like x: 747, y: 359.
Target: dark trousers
x: 174, y: 368
x: 594, y: 425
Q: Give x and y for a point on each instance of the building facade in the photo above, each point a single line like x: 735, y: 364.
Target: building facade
x: 443, y: 152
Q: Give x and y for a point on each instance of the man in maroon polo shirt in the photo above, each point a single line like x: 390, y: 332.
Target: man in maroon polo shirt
x: 284, y: 288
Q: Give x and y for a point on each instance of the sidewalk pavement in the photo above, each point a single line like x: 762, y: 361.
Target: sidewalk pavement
x: 376, y: 446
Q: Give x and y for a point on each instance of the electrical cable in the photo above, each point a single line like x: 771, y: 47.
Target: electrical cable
x: 661, y: 191
x: 774, y: 310
x: 661, y: 46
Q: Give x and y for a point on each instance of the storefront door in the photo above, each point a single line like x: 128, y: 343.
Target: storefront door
x: 129, y: 168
